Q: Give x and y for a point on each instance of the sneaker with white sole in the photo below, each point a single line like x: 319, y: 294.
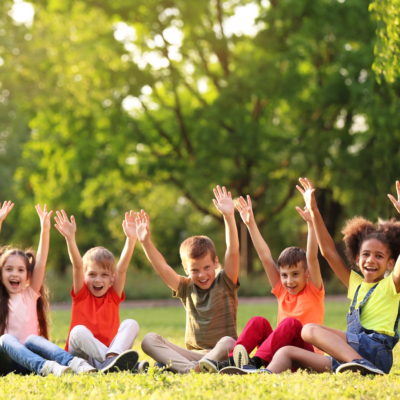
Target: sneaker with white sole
x: 213, y: 367
x: 241, y: 356
x: 246, y: 369
x: 142, y: 367
x: 125, y: 361
x: 360, y: 365
x: 51, y: 367
x: 80, y: 366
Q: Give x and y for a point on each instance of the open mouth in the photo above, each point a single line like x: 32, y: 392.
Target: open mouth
x: 292, y: 287
x: 203, y: 282
x: 370, y: 269
x: 14, y: 283
x: 98, y: 288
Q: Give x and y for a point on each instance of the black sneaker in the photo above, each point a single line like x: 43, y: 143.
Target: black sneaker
x: 360, y: 365
x: 246, y: 369
x: 123, y: 362
x: 163, y: 368
x: 213, y: 367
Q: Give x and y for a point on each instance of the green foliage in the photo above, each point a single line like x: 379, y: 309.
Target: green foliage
x: 387, y: 48
x: 171, y: 324
x: 252, y: 111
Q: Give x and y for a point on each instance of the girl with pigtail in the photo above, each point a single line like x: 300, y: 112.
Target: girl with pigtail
x: 373, y: 318
x: 24, y: 308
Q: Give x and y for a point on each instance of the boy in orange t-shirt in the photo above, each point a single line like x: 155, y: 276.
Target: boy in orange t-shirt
x: 299, y: 289
x: 95, y: 333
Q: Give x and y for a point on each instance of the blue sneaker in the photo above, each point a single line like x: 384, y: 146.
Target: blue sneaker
x: 246, y: 369
x: 361, y: 365
x: 163, y: 367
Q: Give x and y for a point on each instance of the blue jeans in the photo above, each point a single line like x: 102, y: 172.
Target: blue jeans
x: 48, y: 350
x: 15, y: 357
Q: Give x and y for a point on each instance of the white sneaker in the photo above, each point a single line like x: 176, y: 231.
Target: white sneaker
x: 51, y: 367
x: 80, y: 366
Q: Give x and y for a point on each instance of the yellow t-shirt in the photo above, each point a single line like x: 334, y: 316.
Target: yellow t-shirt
x: 380, y: 311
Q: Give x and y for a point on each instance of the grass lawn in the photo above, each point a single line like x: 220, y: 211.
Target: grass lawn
x: 170, y: 322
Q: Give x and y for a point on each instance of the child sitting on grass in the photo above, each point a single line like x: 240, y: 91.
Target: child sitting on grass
x: 372, y: 321
x: 24, y: 306
x: 95, y: 333
x: 298, y: 286
x: 211, y: 301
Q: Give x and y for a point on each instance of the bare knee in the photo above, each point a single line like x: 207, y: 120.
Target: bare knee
x: 227, y: 343
x: 310, y: 332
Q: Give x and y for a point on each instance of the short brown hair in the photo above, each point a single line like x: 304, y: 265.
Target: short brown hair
x: 291, y: 256
x: 101, y: 256
x: 197, y: 247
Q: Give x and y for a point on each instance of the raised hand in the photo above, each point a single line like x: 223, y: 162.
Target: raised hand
x: 44, y: 216
x: 307, y: 192
x: 395, y: 202
x: 5, y: 209
x: 129, y: 225
x: 64, y: 226
x: 245, y: 209
x: 223, y: 201
x: 305, y: 214
x: 143, y: 226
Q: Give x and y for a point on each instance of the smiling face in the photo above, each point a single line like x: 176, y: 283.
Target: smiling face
x: 294, y: 278
x: 202, y: 270
x: 374, y: 260
x: 98, y: 279
x: 14, y: 274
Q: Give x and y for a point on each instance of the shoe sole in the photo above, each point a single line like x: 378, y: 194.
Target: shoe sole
x: 207, y: 367
x: 363, y: 370
x: 125, y: 362
x: 235, y: 371
x: 241, y: 371
x: 89, y: 371
x: 66, y: 371
x: 240, y: 356
x: 142, y: 367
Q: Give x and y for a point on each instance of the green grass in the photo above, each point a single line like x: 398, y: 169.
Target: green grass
x: 170, y: 322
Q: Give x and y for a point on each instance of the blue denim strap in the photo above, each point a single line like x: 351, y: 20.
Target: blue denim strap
x: 367, y: 296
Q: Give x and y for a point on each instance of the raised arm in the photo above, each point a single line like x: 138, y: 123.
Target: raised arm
x: 169, y: 276
x: 129, y: 227
x: 263, y: 251
x: 312, y: 247
x: 4, y: 210
x: 43, y: 249
x: 325, y: 241
x: 68, y: 229
x: 396, y: 270
x: 224, y: 204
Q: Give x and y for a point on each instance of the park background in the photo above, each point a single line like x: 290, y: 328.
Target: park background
x: 108, y: 106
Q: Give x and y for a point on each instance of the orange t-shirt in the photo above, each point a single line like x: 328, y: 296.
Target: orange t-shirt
x: 99, y: 314
x: 306, y: 306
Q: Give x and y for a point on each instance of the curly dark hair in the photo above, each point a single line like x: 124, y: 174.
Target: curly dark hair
x: 358, y: 229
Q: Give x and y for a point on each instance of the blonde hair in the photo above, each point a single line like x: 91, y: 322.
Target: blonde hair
x: 197, y: 247
x: 100, y: 256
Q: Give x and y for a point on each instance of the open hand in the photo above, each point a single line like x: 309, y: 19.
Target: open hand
x: 305, y: 214
x: 245, y: 209
x: 308, y: 193
x: 223, y: 202
x: 64, y: 226
x: 5, y: 209
x: 129, y: 225
x: 143, y: 226
x: 44, y: 216
x: 395, y: 202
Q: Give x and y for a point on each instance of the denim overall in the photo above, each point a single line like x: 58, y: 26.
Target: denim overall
x: 370, y: 345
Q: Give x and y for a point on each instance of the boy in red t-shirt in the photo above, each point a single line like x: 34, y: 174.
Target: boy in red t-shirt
x: 298, y: 286
x: 95, y: 333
